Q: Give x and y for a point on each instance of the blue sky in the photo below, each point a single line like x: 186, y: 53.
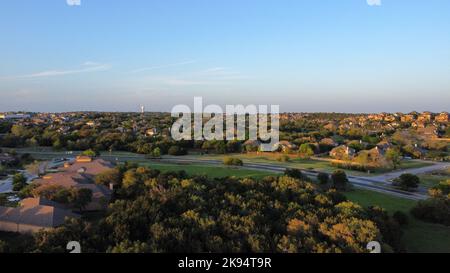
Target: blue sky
x: 305, y: 55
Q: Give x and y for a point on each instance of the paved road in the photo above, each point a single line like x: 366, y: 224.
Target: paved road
x: 376, y: 183
x: 387, y: 177
x: 361, y: 182
x: 6, y: 185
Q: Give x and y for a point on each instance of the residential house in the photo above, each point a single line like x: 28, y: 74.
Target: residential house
x: 442, y: 117
x: 342, y: 152
x: 332, y: 126
x: 33, y: 215
x: 63, y: 129
x: 408, y: 118
x: 425, y: 117
x: 376, y: 117
x: 384, y: 145
x: 39, y: 121
x: 418, y: 124
x: 92, y: 123
x: 390, y: 118
x: 81, y: 175
x: 328, y: 142
x: 393, y: 125
x: 285, y: 146
x: 376, y: 153
x: 429, y: 131
x: 151, y: 132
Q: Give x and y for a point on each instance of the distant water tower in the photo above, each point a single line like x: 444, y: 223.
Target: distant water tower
x: 142, y: 109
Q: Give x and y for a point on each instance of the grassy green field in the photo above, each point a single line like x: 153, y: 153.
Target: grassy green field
x: 321, y: 165
x: 419, y: 237
x: 301, y: 163
x: 411, y: 164
x: 389, y: 203
x: 431, y: 179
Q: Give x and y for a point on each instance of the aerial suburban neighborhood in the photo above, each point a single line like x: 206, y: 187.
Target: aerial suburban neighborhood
x: 224, y: 136
x: 80, y: 165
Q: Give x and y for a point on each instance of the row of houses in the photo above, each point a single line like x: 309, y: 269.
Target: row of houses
x: 346, y: 152
x: 34, y: 214
x: 442, y: 117
x: 13, y: 116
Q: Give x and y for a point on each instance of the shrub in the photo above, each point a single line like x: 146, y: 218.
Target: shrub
x: 434, y: 210
x: 3, y: 199
x: 90, y: 153
x: 323, y: 178
x: 339, y: 179
x: 401, y: 218
x: 443, y: 187
x: 353, y: 166
x: 19, y: 182
x: 283, y: 158
x: 176, y: 151
x: 2, y: 170
x: 106, y: 178
x: 230, y: 161
x: 156, y: 152
x: 306, y: 150
x: 294, y: 173
x: 407, y: 182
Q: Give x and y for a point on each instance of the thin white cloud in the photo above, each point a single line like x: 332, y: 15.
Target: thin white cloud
x: 90, y: 63
x: 86, y: 67
x: 163, y: 66
x: 220, y: 73
x: 374, y: 2
x: 211, y: 76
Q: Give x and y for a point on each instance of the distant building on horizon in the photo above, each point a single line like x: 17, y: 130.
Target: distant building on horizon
x: 14, y: 116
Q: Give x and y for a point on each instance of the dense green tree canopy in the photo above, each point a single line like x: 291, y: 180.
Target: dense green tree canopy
x: 170, y: 212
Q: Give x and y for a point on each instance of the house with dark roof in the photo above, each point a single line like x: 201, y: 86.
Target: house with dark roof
x: 33, y: 215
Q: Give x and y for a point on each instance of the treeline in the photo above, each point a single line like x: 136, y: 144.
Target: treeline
x: 82, y: 138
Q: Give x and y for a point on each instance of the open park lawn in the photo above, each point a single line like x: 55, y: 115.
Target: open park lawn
x: 419, y: 236
x: 431, y: 179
